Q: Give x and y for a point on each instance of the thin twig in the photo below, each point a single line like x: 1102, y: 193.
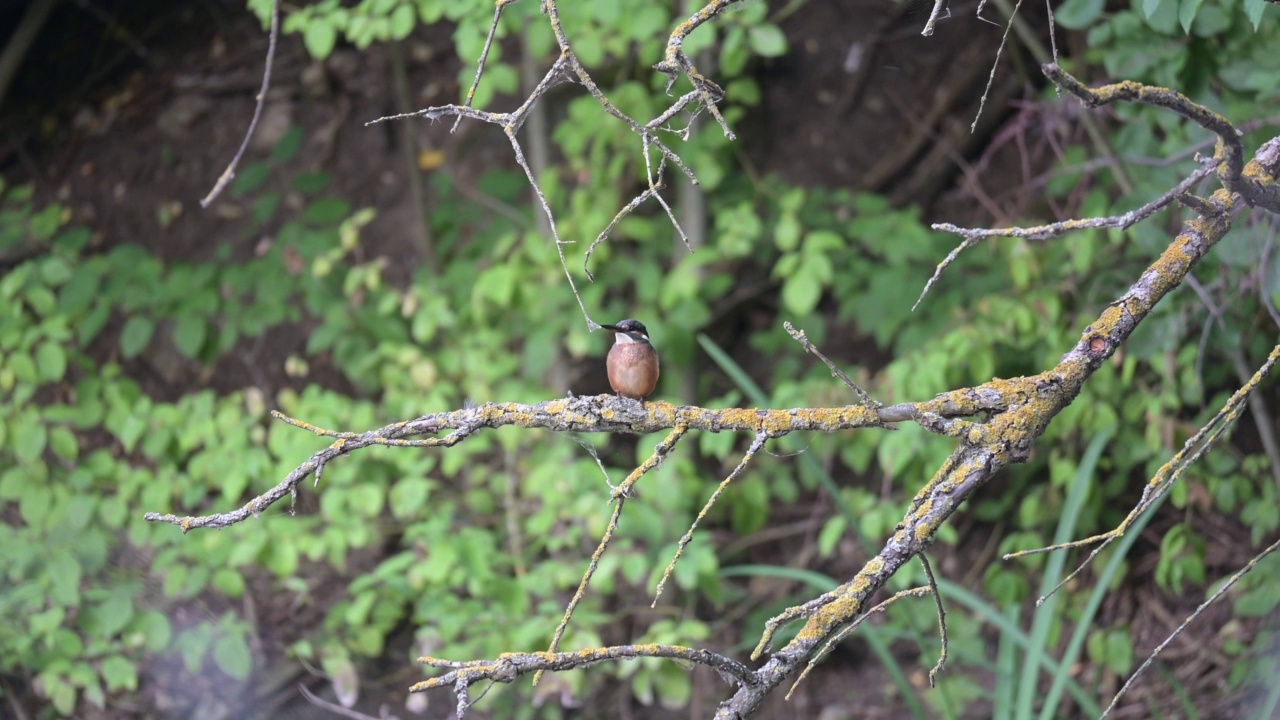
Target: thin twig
x: 619, y: 496
x: 1044, y: 232
x: 849, y: 628
x: 334, y: 708
x: 991, y: 78
x: 942, y: 619
x: 756, y: 444
x: 484, y: 55
x: 512, y: 666
x: 1169, y: 473
x: 1185, y: 624
x: 229, y: 174
x: 800, y: 337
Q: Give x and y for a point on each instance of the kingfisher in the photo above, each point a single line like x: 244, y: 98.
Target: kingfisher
x: 632, y: 362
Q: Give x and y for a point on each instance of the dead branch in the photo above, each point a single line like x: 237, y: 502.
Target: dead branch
x: 260, y: 101
x: 1008, y: 415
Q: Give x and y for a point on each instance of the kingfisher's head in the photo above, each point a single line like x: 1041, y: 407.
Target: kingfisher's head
x: 629, y: 331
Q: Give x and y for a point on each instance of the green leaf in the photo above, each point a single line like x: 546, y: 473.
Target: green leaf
x: 767, y: 40
x: 78, y: 294
x: 1079, y: 14
x: 786, y: 234
x: 64, y: 573
x: 674, y: 687
x: 802, y: 291
x: 115, y: 613
x: 155, y: 628
x: 401, y: 21
x: 119, y: 673
x: 113, y: 511
x: 830, y: 534
x: 51, y: 361
x: 92, y: 324
x: 12, y: 482
x: 251, y: 177
x: 135, y: 336
x: 46, y: 222
x: 80, y: 509
x: 60, y: 692
x: 29, y: 438
x: 319, y: 37
x: 1119, y: 652
x: 1187, y: 13
x: 1253, y: 9
x: 189, y: 333
x: 42, y: 300
x: 47, y: 622
x: 67, y: 643
x: 55, y: 271
x: 130, y: 431
x: 367, y: 499
x: 63, y: 442
x: 822, y: 241
x: 282, y: 559
x: 24, y: 370
x: 408, y: 496
x: 287, y: 146
x: 229, y: 582
x: 733, y: 51
x: 73, y: 239
x: 328, y: 211
x: 34, y: 504
x: 231, y: 653
x: 744, y: 91
x: 1258, y: 602
x: 499, y: 284
x: 311, y: 183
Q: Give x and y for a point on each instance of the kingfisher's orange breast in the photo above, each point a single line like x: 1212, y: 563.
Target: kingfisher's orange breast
x: 633, y: 369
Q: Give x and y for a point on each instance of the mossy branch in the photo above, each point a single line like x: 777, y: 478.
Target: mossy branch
x: 1011, y: 413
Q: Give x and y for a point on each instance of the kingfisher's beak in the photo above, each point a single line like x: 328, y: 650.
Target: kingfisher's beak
x: 610, y: 327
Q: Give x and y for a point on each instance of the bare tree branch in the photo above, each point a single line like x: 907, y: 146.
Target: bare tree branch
x: 995, y: 424
x: 261, y: 101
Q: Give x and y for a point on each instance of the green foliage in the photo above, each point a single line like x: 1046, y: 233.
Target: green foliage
x: 1177, y: 369
x: 80, y: 638
x: 478, y: 545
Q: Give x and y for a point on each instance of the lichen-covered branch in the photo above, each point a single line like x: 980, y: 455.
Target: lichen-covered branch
x: 1255, y: 182
x: 986, y: 448
x: 511, y: 666
x: 600, y: 413
x: 1168, y: 474
x: 994, y: 424
x: 619, y: 497
x: 607, y: 413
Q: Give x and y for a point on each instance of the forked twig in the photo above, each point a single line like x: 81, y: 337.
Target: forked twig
x: 1167, y: 475
x: 849, y: 628
x: 800, y: 337
x: 1045, y: 232
x: 484, y: 56
x: 756, y: 444
x: 620, y: 495
x: 1185, y: 624
x: 704, y: 96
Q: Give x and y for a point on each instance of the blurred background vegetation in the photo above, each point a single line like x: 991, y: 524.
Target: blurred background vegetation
x: 354, y: 276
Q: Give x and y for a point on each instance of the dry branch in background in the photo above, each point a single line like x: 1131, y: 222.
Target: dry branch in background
x: 1012, y: 412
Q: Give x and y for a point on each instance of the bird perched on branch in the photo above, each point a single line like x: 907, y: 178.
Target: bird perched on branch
x: 632, y: 363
